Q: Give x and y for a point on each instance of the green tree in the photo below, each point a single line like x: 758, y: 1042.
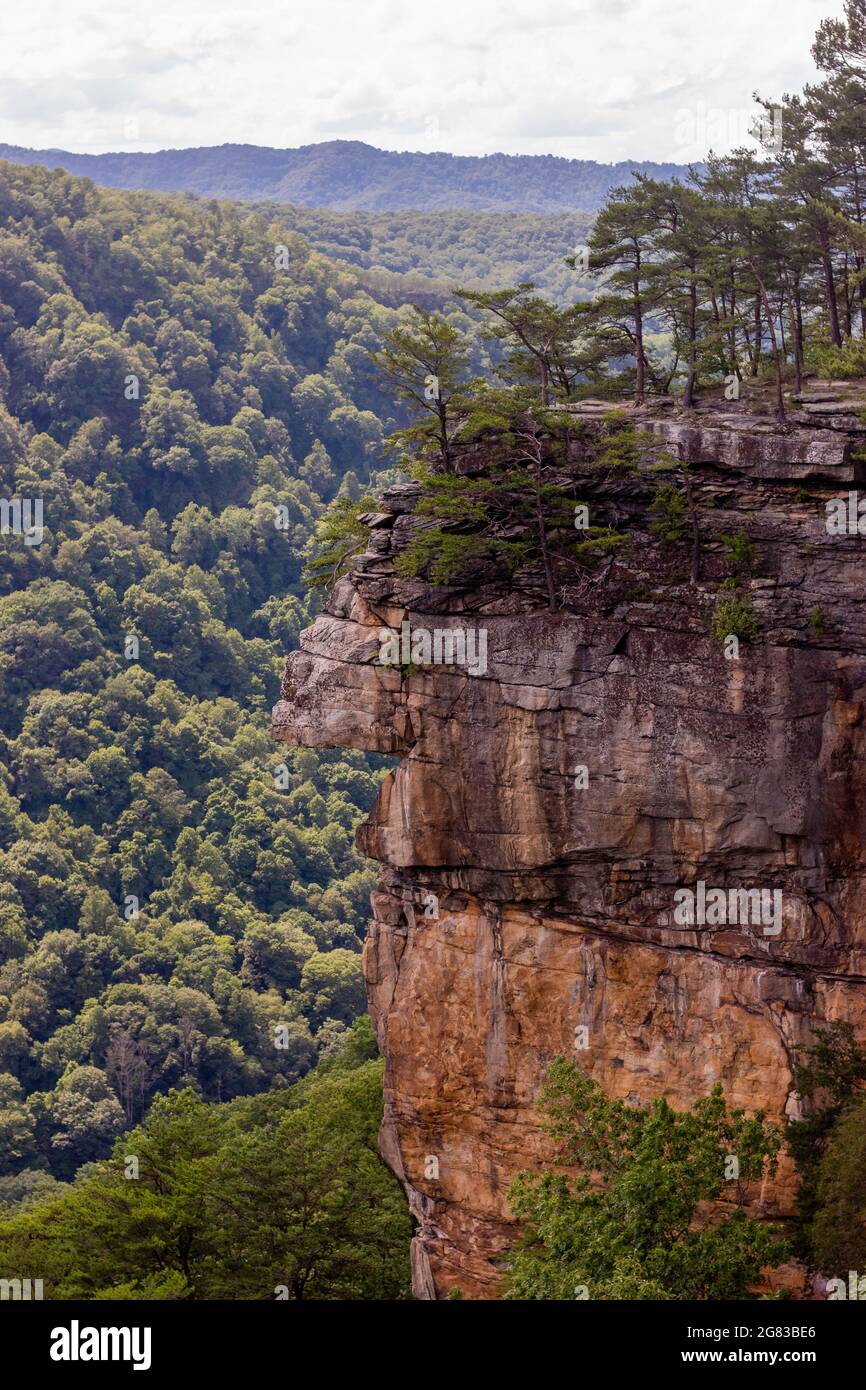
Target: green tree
x: 518, y: 510
x: 541, y: 340
x: 639, y: 1227
x: 423, y: 362
x: 285, y: 1192
x: 837, y: 1232
x: 621, y: 258
x: 826, y: 1143
x: 308, y: 1208
x: 341, y: 534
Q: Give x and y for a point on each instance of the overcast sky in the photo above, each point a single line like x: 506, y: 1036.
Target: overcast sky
x: 590, y: 79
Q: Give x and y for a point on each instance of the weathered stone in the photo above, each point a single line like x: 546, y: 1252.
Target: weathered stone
x: 556, y: 901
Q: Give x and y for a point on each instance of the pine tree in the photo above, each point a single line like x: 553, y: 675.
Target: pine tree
x: 620, y: 249
x: 423, y: 362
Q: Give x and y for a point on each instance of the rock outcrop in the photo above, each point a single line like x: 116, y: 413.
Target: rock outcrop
x: 546, y: 811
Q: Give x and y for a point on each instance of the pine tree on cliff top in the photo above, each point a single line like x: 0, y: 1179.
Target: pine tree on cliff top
x: 542, y: 343
x: 423, y: 362
x: 520, y: 509
x: 620, y: 251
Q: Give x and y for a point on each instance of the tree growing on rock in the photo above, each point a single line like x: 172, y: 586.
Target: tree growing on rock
x: 520, y: 509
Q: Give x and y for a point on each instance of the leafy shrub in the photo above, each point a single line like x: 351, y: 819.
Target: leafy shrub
x: 741, y: 552
x: 838, y: 363
x: 644, y: 1232
x: 734, y: 616
x: 670, y: 514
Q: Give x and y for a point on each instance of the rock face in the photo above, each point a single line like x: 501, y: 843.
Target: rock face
x: 547, y: 809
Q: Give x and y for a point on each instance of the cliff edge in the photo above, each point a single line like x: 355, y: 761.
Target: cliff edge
x: 551, y: 804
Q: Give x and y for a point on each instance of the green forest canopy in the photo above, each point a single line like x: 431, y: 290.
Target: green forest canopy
x: 175, y: 378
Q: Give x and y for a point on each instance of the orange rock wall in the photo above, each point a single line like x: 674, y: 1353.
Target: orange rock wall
x: 517, y: 907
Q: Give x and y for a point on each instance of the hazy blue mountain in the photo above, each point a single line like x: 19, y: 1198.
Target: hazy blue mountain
x: 347, y: 174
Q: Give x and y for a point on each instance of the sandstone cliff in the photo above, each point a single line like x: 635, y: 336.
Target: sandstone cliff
x: 518, y: 905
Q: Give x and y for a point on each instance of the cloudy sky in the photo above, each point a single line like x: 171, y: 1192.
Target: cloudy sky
x: 590, y: 79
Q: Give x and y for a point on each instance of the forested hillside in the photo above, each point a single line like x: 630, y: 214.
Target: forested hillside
x: 481, y: 249
x: 182, y: 387
x: 276, y: 1196
x: 349, y: 174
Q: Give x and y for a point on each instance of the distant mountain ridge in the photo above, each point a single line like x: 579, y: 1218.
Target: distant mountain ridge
x: 349, y: 175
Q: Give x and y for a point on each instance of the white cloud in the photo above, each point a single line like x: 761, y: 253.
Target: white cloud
x: 601, y: 79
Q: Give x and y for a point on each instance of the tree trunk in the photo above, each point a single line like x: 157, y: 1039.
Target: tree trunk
x: 847, y: 283
x: 717, y: 320
x: 756, y: 356
x: 858, y: 259
x: 733, y: 329
x: 640, y: 374
x: 798, y: 307
x: 532, y: 456
x: 444, y: 446
x: 830, y: 288
x: 777, y: 360
x: 545, y: 382
x: 795, y: 339
x: 542, y: 539
x: 689, y: 394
